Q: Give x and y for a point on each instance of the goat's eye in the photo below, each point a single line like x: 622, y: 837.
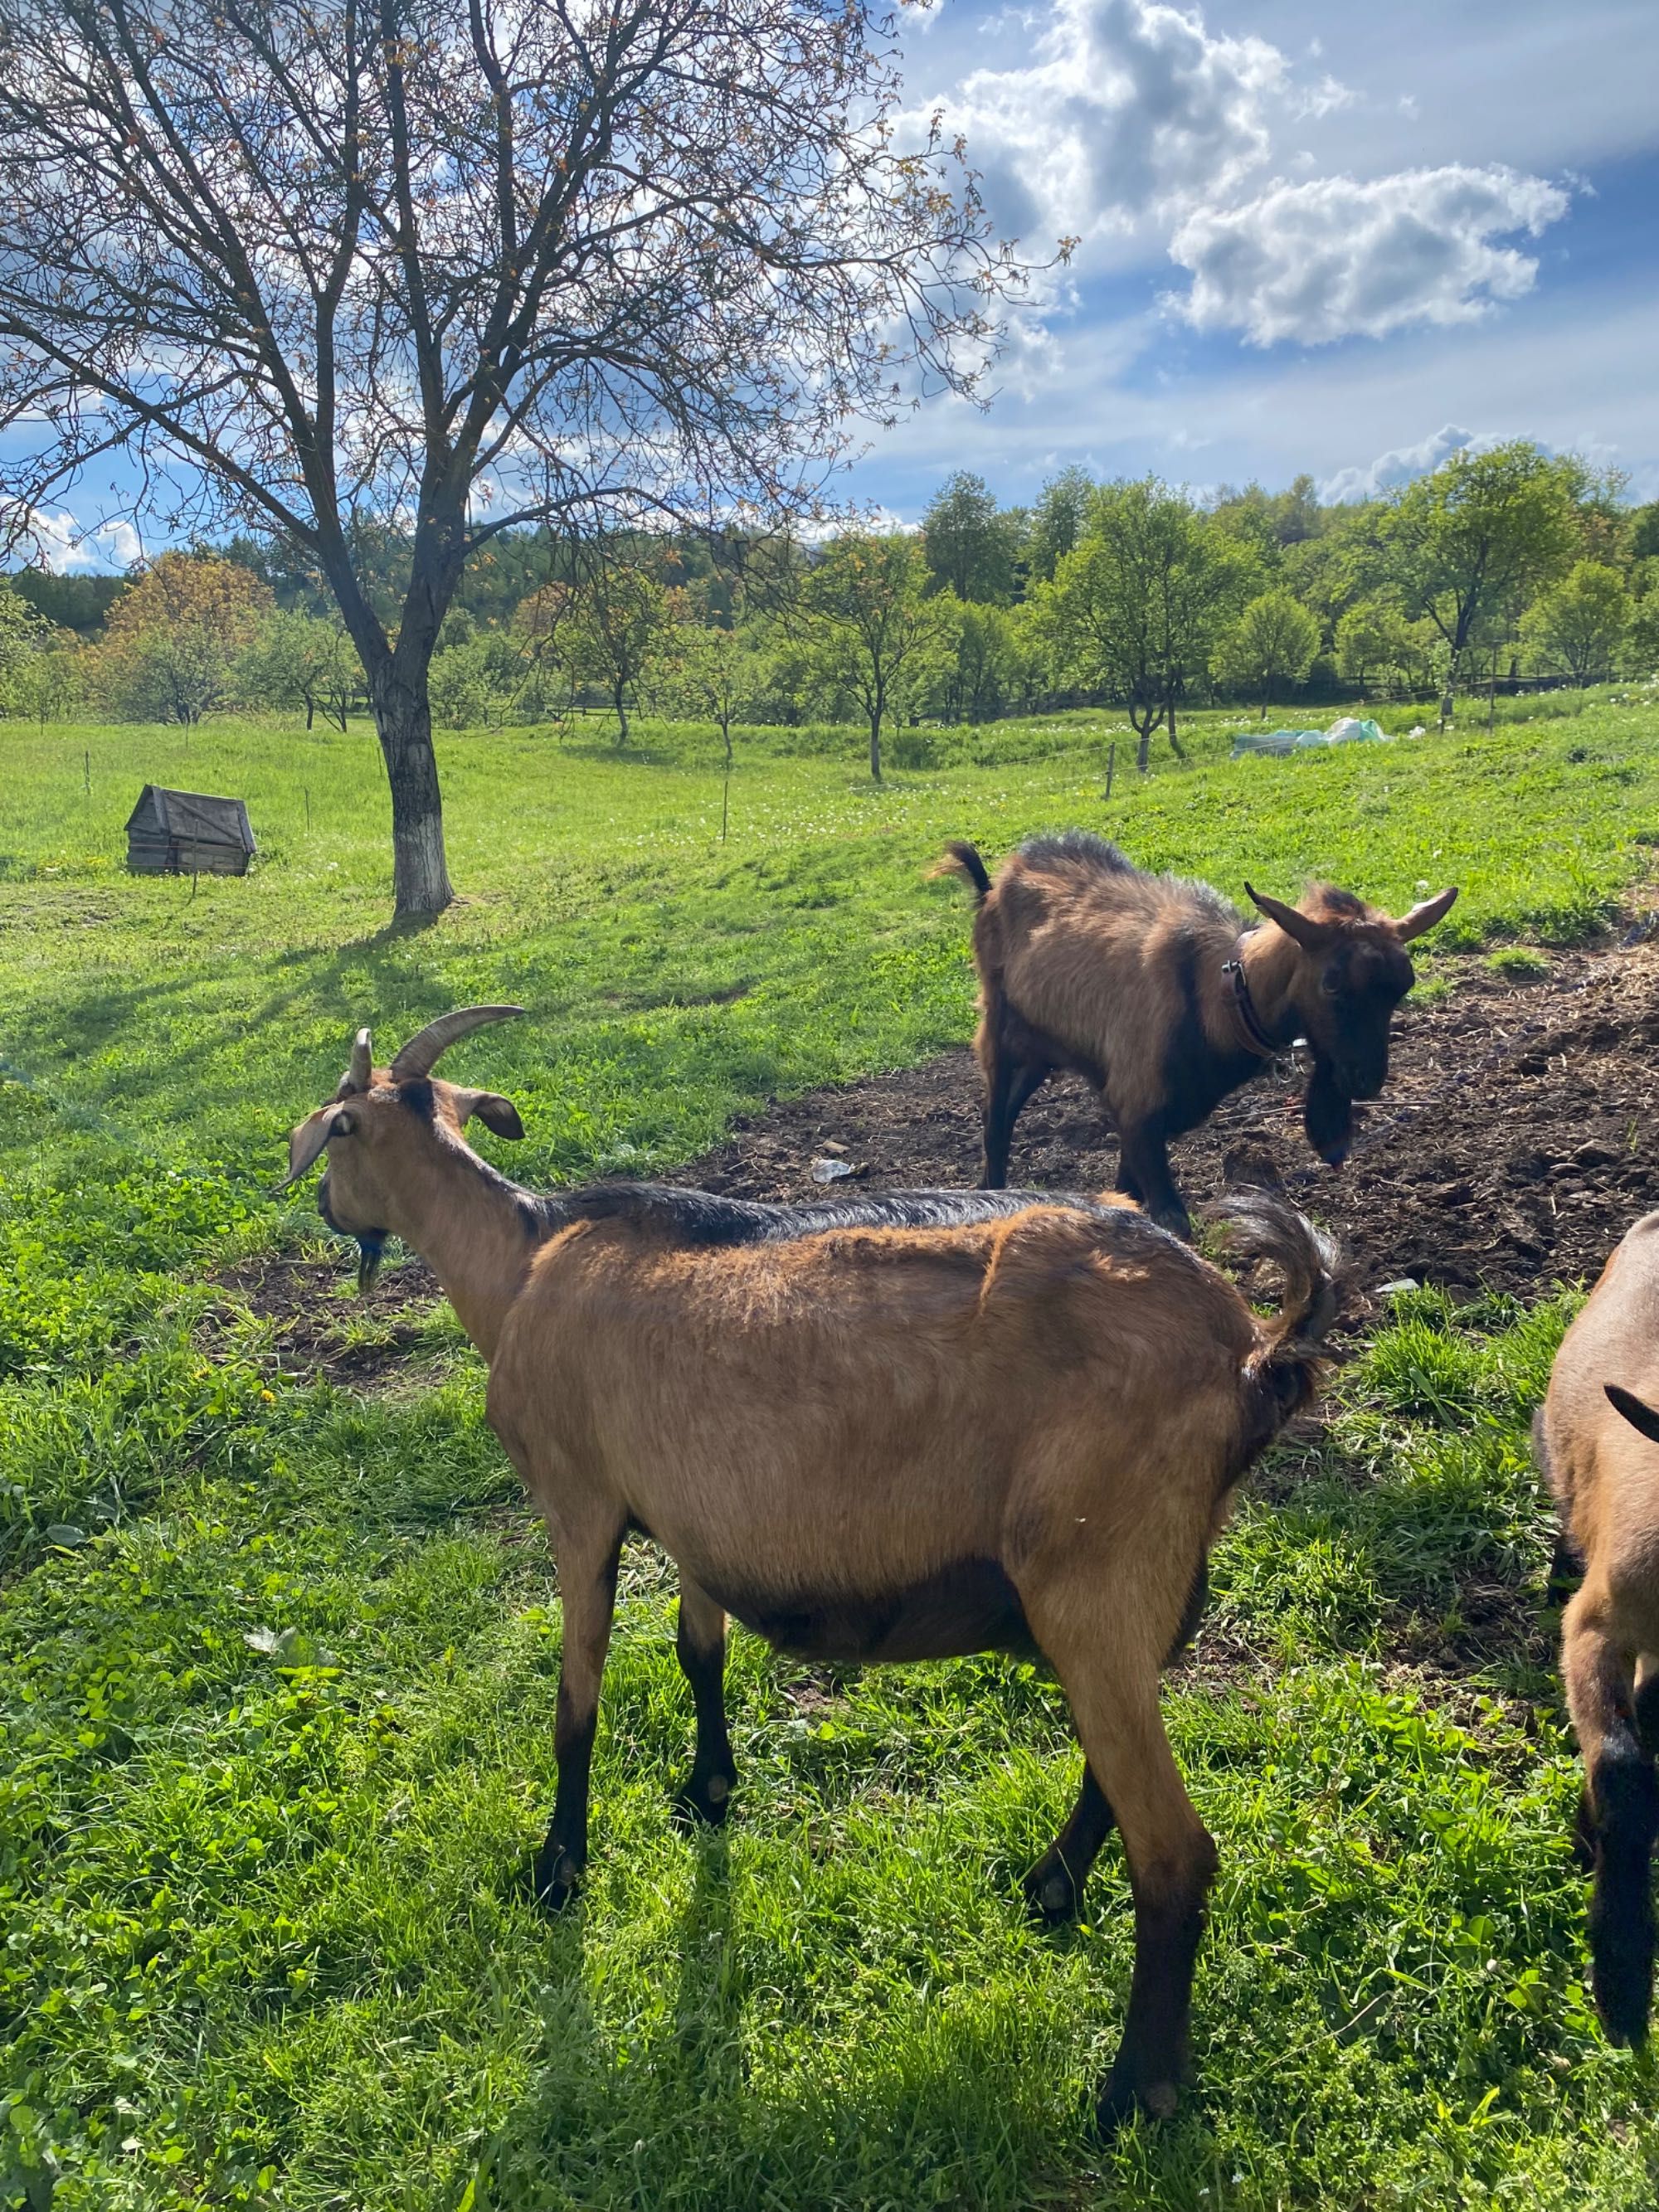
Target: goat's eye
x: 1330, y: 982
x: 343, y: 1124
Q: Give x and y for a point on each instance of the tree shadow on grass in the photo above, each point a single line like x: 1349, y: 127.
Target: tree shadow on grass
x: 92, y: 1020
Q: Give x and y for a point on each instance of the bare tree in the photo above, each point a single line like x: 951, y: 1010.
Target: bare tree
x: 460, y: 268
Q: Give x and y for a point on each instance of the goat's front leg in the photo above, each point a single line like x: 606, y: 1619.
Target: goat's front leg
x: 1143, y: 1175
x: 1619, y: 1818
x: 587, y: 1584
x: 705, y: 1793
x: 1054, y: 1888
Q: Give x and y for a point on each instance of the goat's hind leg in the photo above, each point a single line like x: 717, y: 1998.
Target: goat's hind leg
x: 1054, y: 1888
x: 705, y: 1793
x: 1111, y: 1679
x: 1619, y: 1819
x: 1012, y: 1079
x: 587, y: 1590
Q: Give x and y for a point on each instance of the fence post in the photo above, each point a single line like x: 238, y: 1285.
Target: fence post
x: 1111, y: 766
x: 86, y: 769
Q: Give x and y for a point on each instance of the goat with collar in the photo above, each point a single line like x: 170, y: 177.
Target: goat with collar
x: 1152, y: 988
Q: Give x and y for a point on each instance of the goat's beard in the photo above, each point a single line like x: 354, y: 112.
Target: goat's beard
x: 371, y: 1249
x: 1327, y: 1114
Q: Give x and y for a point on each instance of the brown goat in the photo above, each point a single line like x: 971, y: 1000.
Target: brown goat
x: 1598, y: 1440
x: 1152, y: 988
x: 903, y: 1427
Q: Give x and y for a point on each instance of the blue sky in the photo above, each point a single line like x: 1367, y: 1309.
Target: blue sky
x: 1310, y: 238
x: 1342, y: 240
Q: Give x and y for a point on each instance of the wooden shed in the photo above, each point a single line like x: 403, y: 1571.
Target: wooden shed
x: 184, y: 833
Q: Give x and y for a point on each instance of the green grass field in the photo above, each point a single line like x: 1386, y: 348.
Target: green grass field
x: 278, y: 1659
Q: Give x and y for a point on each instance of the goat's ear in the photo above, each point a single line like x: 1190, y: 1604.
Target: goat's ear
x: 1312, y: 936
x: 1642, y: 1416
x: 306, y: 1145
x: 1426, y: 916
x: 495, y: 1112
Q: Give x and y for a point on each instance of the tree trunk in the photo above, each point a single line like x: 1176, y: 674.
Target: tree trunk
x: 1170, y: 725
x: 875, y: 742
x: 619, y: 700
x: 420, y: 874
x: 1143, y: 724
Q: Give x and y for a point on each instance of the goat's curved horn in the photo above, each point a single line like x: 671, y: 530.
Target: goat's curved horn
x: 1425, y: 916
x: 361, y: 1066
x: 420, y: 1055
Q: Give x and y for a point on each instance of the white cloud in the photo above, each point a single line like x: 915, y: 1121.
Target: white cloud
x: 63, y: 544
x: 1400, y: 465
x: 1130, y: 109
x: 1336, y: 256
x: 1327, y: 97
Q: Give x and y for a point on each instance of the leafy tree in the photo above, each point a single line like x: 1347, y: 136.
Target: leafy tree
x: 1644, y: 532
x: 173, y: 640
x: 1466, y: 545
x: 1272, y: 644
x: 1269, y: 522
x: 970, y: 546
x: 21, y: 632
x: 1135, y: 608
x: 719, y: 675
x: 1331, y: 573
x: 989, y: 663
x: 1374, y: 638
x: 75, y: 603
x: 335, y: 271
x: 1641, y: 641
x: 47, y: 684
x: 302, y: 660
x: 1580, y: 623
x: 465, y: 685
x: 614, y: 628
x: 867, y: 611
x: 1058, y: 521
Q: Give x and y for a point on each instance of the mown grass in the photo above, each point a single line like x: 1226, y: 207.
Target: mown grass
x: 277, y: 1660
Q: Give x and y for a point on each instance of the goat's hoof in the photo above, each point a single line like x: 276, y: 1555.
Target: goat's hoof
x: 702, y: 1804
x: 1121, y: 2100
x: 1624, y: 1999
x: 556, y: 1880
x: 1051, y: 1895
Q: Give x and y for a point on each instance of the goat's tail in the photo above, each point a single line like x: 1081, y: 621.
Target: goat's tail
x: 961, y: 859
x: 1292, y: 1355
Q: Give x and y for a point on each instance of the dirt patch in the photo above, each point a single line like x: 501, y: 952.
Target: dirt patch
x: 353, y: 1342
x: 1519, y: 1140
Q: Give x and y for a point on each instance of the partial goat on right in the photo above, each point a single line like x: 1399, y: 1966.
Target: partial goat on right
x: 1598, y: 1440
